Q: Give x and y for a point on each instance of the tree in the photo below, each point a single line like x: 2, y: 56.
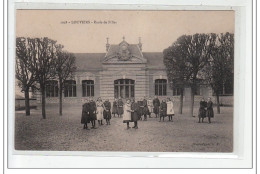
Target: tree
x: 25, y: 76
x: 176, y: 69
x: 219, y: 70
x: 43, y: 63
x: 194, y: 51
x: 65, y: 67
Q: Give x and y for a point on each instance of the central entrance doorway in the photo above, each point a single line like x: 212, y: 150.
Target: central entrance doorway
x: 124, y: 88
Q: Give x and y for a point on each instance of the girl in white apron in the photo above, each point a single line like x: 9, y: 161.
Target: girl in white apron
x: 127, y: 113
x: 170, y: 110
x: 100, y: 109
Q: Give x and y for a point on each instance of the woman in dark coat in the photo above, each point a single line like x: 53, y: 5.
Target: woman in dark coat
x: 114, y: 108
x: 163, y: 109
x: 145, y: 109
x: 85, y: 114
x: 140, y: 109
x: 210, y: 112
x: 202, y: 110
x: 156, y: 106
x: 92, y: 113
x: 120, y: 109
x: 107, y: 111
x: 134, y: 115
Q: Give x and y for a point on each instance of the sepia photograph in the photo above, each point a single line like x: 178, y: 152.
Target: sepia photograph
x: 124, y: 80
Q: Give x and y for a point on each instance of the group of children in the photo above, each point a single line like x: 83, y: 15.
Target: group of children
x: 132, y: 110
x: 92, y: 111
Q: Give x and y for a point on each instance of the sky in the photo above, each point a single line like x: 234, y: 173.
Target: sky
x: 157, y: 29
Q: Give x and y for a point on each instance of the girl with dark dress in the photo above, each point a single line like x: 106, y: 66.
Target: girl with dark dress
x: 134, y: 115
x: 163, y: 109
x: 114, y: 108
x: 145, y: 109
x: 120, y: 108
x: 156, y: 106
x: 202, y: 110
x: 92, y: 113
x: 85, y: 119
x: 140, y: 109
x: 210, y: 112
x: 107, y: 111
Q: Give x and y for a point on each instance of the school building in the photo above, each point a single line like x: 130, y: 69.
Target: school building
x: 122, y: 70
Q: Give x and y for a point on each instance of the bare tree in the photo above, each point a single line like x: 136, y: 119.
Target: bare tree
x: 194, y: 51
x: 219, y: 70
x: 24, y: 74
x: 176, y: 69
x: 65, y: 68
x: 43, y: 63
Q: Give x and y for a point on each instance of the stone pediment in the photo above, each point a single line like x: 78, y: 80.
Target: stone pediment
x: 124, y: 53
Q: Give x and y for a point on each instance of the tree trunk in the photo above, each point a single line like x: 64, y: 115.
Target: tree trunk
x: 218, y: 106
x: 43, y: 102
x: 60, y: 97
x: 181, y: 102
x: 27, y: 101
x: 192, y: 102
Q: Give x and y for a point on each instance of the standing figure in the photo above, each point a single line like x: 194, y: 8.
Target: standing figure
x: 156, y: 106
x: 140, y: 109
x: 170, y: 110
x: 92, y: 113
x: 120, y: 105
x: 202, y: 110
x: 210, y: 112
x: 100, y: 109
x: 134, y: 115
x: 150, y: 106
x: 127, y: 113
x: 163, y: 109
x: 145, y: 109
x: 114, y: 108
x: 85, y: 119
x: 107, y: 111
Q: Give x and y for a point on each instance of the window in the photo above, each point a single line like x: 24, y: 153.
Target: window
x: 176, y: 91
x: 70, y: 88
x: 160, y: 87
x: 124, y: 88
x: 52, y: 89
x: 87, y: 88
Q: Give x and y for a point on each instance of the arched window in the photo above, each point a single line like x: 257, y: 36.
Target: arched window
x: 160, y: 87
x: 87, y: 88
x: 124, y: 88
x: 70, y: 88
x: 51, y: 88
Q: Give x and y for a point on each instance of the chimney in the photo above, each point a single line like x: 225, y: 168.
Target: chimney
x: 140, y: 44
x: 107, y: 45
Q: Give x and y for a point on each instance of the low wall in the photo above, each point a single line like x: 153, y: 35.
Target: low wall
x: 20, y: 104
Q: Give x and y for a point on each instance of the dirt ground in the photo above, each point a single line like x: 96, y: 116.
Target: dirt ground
x: 65, y: 133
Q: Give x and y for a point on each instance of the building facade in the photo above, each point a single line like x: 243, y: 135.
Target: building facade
x: 124, y: 70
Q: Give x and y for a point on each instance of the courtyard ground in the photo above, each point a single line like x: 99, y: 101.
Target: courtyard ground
x: 65, y: 133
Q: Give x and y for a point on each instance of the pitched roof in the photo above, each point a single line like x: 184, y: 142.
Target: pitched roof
x: 88, y: 61
x: 154, y: 60
x: 93, y: 61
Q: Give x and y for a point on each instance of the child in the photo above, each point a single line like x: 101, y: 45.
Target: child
x: 127, y: 113
x: 163, y: 109
x: 107, y: 112
x: 170, y: 111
